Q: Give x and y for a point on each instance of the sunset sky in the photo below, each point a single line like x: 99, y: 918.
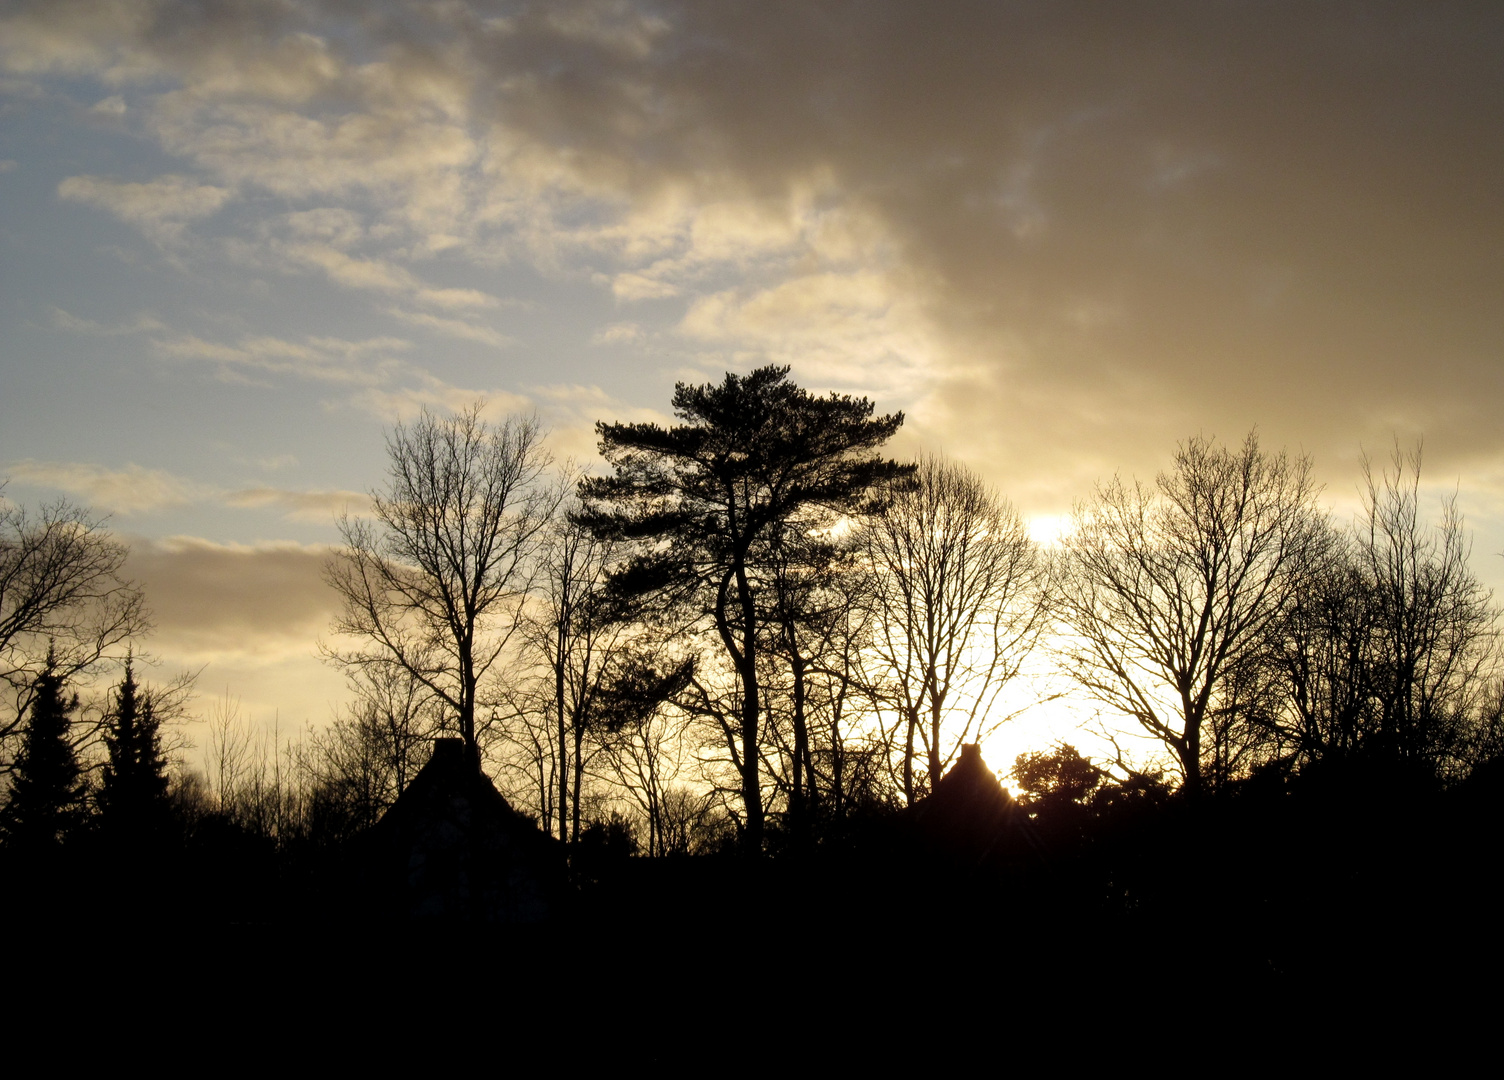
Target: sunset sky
x: 238, y: 240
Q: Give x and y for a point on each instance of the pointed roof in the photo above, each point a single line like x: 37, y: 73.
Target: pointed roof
x: 967, y: 800
x: 452, y: 848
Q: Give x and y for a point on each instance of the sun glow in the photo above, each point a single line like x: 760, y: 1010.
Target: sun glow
x: 1048, y: 529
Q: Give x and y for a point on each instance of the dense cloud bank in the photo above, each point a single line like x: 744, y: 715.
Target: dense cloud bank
x: 1064, y: 232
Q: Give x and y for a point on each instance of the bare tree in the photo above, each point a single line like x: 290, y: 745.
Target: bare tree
x: 580, y: 640
x: 62, y: 592
x: 1170, y: 588
x: 643, y: 758
x: 364, y: 760
x: 1436, y: 623
x: 801, y: 566
x: 434, y: 585
x: 959, y: 594
x: 1387, y: 653
x: 848, y: 735
x: 1322, y: 651
x: 823, y: 716
x: 229, y: 753
x: 642, y: 733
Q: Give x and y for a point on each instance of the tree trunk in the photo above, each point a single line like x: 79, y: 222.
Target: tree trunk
x: 579, y: 778
x: 751, y: 717
x: 559, y: 661
x: 801, y: 740
x: 837, y: 763
x: 935, y: 765
x: 911, y: 722
x: 1190, y: 762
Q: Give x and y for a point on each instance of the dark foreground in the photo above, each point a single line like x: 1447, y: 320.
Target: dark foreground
x: 1276, y: 891
x: 1269, y: 910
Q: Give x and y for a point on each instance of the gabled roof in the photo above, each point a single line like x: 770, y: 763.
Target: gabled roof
x: 968, y: 803
x: 452, y: 848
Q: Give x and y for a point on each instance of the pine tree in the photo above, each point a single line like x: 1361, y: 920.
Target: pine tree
x: 755, y: 458
x: 47, y: 786
x: 133, y: 792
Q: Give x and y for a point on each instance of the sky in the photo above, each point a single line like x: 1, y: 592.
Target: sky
x: 238, y: 241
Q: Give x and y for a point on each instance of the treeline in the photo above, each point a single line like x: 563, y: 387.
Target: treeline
x: 754, y: 628
x: 756, y: 632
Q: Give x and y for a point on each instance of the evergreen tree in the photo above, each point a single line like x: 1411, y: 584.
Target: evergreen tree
x: 47, y: 786
x: 756, y: 459
x: 133, y: 793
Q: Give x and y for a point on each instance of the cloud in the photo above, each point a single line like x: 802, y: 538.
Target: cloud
x: 159, y: 208
x: 848, y: 329
x: 427, y: 392
x: 382, y: 275
x: 133, y: 490
x: 455, y: 328
x: 622, y: 333
x: 314, y: 506
x: 634, y: 286
x: 372, y: 378
x: 125, y: 491
x: 571, y: 411
x: 141, y: 324
x: 456, y: 298
x: 319, y: 359
x: 213, y: 602
x: 1062, y: 235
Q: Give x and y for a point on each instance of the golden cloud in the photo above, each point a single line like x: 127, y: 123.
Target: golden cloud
x: 214, y: 602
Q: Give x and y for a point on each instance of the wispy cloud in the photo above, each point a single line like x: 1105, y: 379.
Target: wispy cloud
x: 572, y: 410
x: 314, y: 506
x: 319, y: 359
x: 373, y: 274
x: 370, y: 373
x: 141, y: 324
x: 621, y: 333
x: 454, y: 328
x: 126, y: 491
x: 160, y: 208
x: 402, y: 402
x: 131, y: 490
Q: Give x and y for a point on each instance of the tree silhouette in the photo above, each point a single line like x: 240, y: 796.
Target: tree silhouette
x: 959, y: 594
x: 580, y: 642
x: 1169, y: 589
x: 65, y: 603
x: 705, y: 498
x: 1387, y: 656
x: 434, y: 585
x: 1436, y: 622
x: 133, y: 784
x: 47, y: 788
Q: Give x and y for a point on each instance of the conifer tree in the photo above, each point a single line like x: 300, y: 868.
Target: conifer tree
x: 47, y: 787
x: 133, y: 792
x: 755, y: 459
